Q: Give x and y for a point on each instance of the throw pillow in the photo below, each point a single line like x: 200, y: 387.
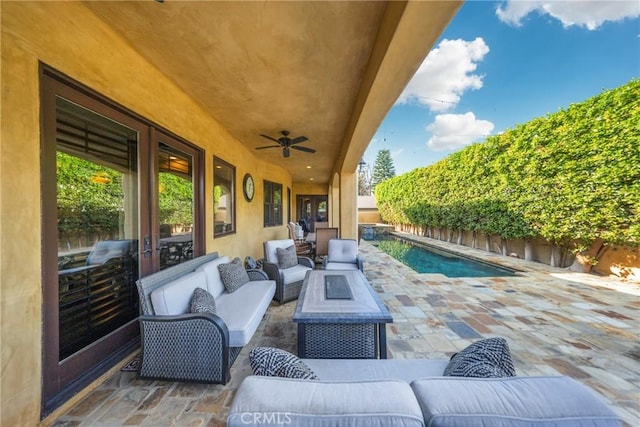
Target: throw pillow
x: 488, y: 358
x: 273, y: 362
x: 202, y: 302
x: 233, y: 275
x: 287, y: 257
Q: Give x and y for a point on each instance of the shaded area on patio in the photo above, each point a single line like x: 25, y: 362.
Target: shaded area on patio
x: 556, y: 322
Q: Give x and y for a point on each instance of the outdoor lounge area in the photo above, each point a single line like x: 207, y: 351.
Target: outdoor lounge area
x: 556, y: 323
x: 163, y: 132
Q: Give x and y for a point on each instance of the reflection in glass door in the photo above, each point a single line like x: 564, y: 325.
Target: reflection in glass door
x: 175, y: 204
x: 97, y: 199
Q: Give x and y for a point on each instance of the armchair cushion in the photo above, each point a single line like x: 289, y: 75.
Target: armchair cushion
x: 175, y: 297
x: 295, y: 273
x: 287, y: 257
x: 342, y: 250
x: 270, y: 247
x: 233, y: 274
x: 202, y: 302
x: 273, y: 362
x: 341, y: 266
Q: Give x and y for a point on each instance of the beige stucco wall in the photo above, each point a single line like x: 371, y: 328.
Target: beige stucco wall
x: 68, y: 37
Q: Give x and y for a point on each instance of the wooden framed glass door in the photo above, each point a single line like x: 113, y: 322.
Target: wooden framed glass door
x: 312, y: 210
x: 104, y: 171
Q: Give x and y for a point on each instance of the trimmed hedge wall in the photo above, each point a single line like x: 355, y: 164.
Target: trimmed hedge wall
x: 572, y: 177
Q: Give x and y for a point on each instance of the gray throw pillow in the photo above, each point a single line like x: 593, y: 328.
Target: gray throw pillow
x: 273, y: 362
x: 233, y: 275
x: 202, y: 302
x: 287, y: 258
x: 488, y: 358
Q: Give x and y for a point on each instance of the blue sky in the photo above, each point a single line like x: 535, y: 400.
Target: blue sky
x: 500, y: 64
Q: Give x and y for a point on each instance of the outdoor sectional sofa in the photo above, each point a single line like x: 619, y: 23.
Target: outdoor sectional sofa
x: 182, y: 346
x: 413, y: 392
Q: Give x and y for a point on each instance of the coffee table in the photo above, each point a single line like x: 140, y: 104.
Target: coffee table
x: 345, y: 320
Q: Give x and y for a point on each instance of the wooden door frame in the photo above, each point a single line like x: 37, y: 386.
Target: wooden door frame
x: 63, y: 379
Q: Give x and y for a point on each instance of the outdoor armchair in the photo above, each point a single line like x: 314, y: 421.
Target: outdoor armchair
x: 342, y: 255
x: 323, y: 235
x: 297, y: 235
x: 288, y: 280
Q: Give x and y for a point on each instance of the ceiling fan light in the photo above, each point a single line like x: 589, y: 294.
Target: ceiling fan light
x: 285, y: 152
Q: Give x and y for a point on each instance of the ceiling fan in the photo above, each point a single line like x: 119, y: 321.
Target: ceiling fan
x: 285, y: 142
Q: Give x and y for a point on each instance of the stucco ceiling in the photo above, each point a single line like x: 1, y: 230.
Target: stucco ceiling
x: 328, y: 70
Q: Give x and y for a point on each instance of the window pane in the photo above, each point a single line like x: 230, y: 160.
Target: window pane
x: 272, y: 204
x: 223, y: 197
x: 97, y: 198
x: 175, y: 199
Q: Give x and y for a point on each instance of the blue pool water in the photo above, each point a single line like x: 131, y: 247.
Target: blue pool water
x: 427, y: 259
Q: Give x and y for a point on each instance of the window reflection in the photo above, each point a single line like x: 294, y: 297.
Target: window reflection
x: 224, y: 177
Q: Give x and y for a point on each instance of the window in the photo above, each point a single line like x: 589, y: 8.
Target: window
x: 272, y: 204
x: 224, y: 180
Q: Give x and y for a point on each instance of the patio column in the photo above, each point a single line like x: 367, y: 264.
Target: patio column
x: 348, y: 205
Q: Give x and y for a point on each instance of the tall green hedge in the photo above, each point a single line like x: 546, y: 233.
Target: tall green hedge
x: 572, y: 177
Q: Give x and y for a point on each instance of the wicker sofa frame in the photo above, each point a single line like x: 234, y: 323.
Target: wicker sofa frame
x: 186, y: 347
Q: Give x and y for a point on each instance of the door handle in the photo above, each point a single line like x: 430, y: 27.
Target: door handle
x: 147, y: 246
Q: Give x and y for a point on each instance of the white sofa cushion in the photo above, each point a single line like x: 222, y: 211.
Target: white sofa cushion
x: 175, y: 297
x: 318, y: 403
x: 512, y: 401
x: 342, y: 250
x: 243, y: 309
x: 214, y: 281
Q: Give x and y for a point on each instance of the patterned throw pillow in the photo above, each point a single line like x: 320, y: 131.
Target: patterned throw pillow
x: 273, y: 362
x: 488, y: 358
x: 287, y: 258
x: 233, y: 275
x: 202, y: 302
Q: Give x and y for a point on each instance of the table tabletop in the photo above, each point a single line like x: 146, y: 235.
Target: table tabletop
x: 364, y: 307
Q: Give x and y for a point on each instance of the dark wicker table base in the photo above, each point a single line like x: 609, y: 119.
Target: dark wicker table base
x: 341, y: 340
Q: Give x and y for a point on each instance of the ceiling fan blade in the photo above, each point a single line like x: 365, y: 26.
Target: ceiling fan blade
x: 308, y: 150
x: 268, y: 146
x: 298, y: 140
x: 270, y: 138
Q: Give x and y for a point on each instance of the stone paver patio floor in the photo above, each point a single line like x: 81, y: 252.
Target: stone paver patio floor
x: 555, y: 322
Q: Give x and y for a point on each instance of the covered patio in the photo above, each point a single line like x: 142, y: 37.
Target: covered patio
x: 556, y: 323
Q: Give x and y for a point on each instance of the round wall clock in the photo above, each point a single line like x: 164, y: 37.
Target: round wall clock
x: 248, y: 187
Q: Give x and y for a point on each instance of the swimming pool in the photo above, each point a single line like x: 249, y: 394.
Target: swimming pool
x: 428, y: 259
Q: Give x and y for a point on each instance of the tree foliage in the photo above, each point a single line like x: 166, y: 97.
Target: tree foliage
x: 571, y: 177
x: 91, y: 198
x: 383, y: 168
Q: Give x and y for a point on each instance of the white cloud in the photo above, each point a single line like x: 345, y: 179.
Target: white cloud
x: 396, y: 153
x: 453, y: 131
x: 445, y: 74
x: 587, y: 13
